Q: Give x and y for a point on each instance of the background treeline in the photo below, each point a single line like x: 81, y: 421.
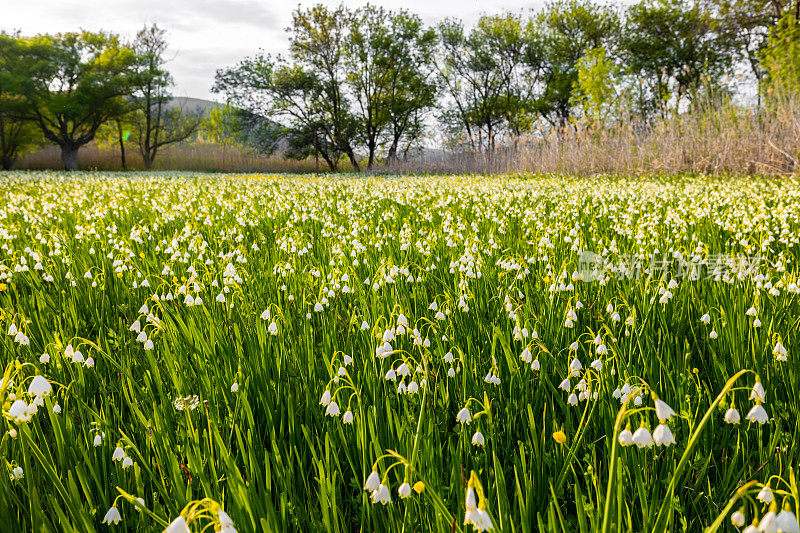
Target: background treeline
x: 577, y: 86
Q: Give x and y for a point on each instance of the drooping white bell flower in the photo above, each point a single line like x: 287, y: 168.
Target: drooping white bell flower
x: 112, y: 516
x: 663, y: 436
x: 758, y: 394
x: 765, y: 494
x: 625, y: 437
x: 786, y: 522
x: 19, y: 412
x: 178, y: 526
x: 382, y: 495
x: 464, y: 416
x: 737, y: 519
x: 326, y: 397
x: 732, y: 416
x: 663, y: 411
x: 404, y: 490
x: 372, y: 482
x: 40, y: 387
x: 478, y: 439
x: 757, y: 414
x: 118, y: 455
x: 642, y: 438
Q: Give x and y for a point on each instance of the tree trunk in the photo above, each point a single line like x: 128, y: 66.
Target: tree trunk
x: 69, y: 156
x: 7, y: 162
x: 121, y: 146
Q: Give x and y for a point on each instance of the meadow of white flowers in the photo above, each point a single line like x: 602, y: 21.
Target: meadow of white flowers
x: 287, y: 353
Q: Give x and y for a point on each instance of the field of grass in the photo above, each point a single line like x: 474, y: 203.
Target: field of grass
x: 286, y: 353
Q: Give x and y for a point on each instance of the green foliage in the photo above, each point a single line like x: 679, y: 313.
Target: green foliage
x: 73, y: 83
x: 17, y: 135
x: 674, y: 47
x: 781, y: 56
x: 259, y: 282
x: 595, y: 90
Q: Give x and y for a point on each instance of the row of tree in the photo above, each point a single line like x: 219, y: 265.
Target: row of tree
x: 369, y: 81
x: 67, y: 89
x: 368, y: 85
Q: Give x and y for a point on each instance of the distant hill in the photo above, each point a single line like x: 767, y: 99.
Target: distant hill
x: 193, y: 104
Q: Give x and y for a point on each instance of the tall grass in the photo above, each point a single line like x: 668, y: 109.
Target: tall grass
x: 496, y: 255
x: 715, y: 138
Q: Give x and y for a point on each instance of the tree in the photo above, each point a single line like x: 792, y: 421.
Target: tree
x: 564, y: 32
x: 389, y: 65
x: 781, y: 56
x: 156, y: 120
x: 485, y: 77
x: 75, y: 82
x: 17, y: 135
x: 594, y: 89
x: 307, y: 92
x: 674, y: 47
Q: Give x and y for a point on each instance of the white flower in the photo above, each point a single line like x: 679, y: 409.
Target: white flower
x: 136, y: 326
x: 234, y: 387
x: 44, y: 358
x: 565, y: 385
x: 573, y: 399
x: 381, y: 495
x: 112, y: 516
x: 786, y: 522
x: 118, y: 455
x: 713, y: 334
x: 464, y: 416
x: 478, y: 439
x: 732, y: 416
x: 642, y: 438
x: 663, y: 436
x: 663, y: 411
x: 767, y: 523
x: 273, y: 328
x: 40, y: 387
x: 751, y: 312
x: 758, y: 394
x: 372, y: 482
x: 757, y: 414
x: 326, y: 397
x: 332, y: 409
x: 535, y: 365
x: 19, y: 412
x: 765, y: 494
x: 226, y: 522
x: 404, y: 490
x: 626, y: 437
x: 127, y: 462
x: 705, y: 319
x: 141, y: 337
x: 17, y: 473
x: 178, y: 526
x: 98, y: 440
x: 597, y: 365
x: 756, y: 323
x: 57, y: 409
x: 737, y: 519
x: 348, y: 417
x: 779, y: 352
x: 318, y: 307
x: 148, y: 345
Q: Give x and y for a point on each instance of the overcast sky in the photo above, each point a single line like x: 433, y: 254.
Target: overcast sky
x: 209, y: 34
